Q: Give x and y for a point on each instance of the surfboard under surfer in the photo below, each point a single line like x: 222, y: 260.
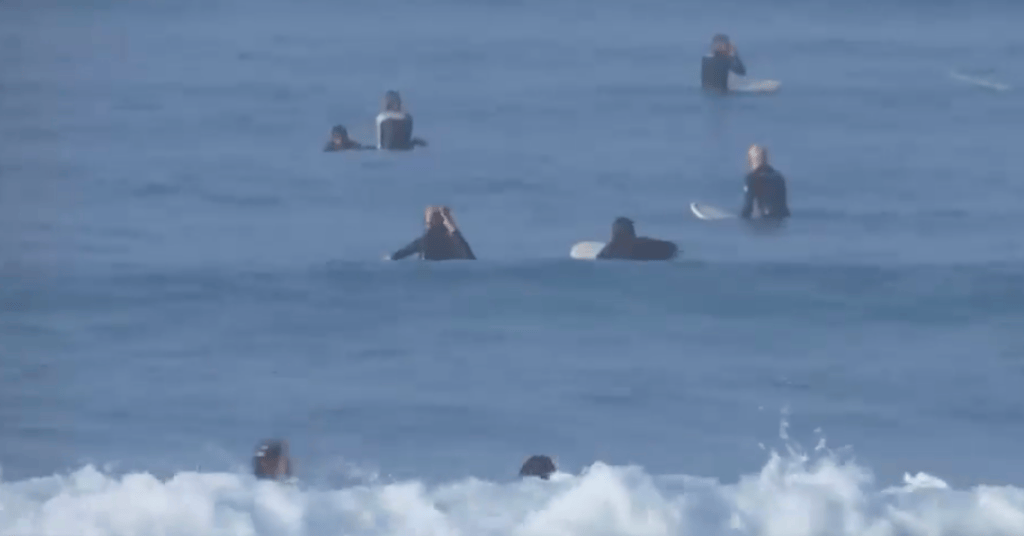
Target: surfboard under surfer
x: 441, y: 241
x: 715, y: 67
x: 394, y: 125
x: 626, y: 245
x: 764, y: 188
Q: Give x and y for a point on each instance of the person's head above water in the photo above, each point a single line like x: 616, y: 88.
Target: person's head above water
x: 339, y: 135
x: 271, y: 459
x: 623, y: 229
x: 392, y: 101
x: 720, y: 43
x: 539, y: 466
x: 757, y: 156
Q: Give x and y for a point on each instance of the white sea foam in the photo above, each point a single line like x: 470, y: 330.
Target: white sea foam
x: 795, y: 494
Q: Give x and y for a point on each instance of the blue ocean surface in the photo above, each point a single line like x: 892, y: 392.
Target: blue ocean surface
x: 184, y: 272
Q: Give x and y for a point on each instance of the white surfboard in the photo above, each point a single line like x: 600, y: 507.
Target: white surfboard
x: 978, y: 81
x: 708, y: 212
x: 586, y: 250
x: 749, y: 85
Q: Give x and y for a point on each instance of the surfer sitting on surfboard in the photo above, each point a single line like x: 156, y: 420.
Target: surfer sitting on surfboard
x: 715, y: 67
x: 341, y: 142
x: 765, y: 188
x: 394, y: 125
x: 271, y: 460
x: 538, y: 465
x: 441, y: 241
x: 625, y: 244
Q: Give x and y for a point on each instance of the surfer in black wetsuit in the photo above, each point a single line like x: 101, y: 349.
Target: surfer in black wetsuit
x: 271, y: 460
x: 442, y: 240
x: 715, y: 67
x: 539, y: 465
x: 394, y: 126
x: 341, y: 142
x: 764, y: 189
x: 625, y: 244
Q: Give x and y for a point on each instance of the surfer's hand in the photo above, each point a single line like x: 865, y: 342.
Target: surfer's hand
x: 732, y: 49
x: 449, y: 221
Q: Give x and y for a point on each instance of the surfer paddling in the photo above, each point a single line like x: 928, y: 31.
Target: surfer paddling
x: 715, y: 67
x: 441, y: 241
x: 341, y: 142
x: 764, y: 189
x: 625, y: 244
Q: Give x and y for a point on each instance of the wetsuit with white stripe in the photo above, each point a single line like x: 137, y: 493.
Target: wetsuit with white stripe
x: 394, y: 131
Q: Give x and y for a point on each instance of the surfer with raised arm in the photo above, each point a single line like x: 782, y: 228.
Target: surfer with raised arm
x: 441, y: 241
x: 764, y: 188
x: 271, y: 460
x: 715, y: 67
x: 394, y: 125
x: 626, y: 245
x: 341, y: 142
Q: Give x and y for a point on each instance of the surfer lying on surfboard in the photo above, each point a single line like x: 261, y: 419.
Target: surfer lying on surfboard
x: 714, y: 68
x: 441, y: 241
x: 764, y: 188
x: 341, y: 142
x: 625, y: 244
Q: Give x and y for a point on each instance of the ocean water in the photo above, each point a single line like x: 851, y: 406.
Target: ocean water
x: 183, y: 272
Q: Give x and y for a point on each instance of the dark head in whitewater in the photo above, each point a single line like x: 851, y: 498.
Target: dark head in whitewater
x: 271, y: 460
x: 539, y: 466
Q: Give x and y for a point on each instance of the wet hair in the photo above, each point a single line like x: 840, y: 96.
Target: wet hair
x: 623, y: 226
x: 538, y: 465
x: 339, y: 130
x: 392, y: 101
x: 719, y: 38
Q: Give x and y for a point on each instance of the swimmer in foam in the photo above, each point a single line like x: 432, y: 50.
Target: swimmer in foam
x: 341, y: 142
x: 539, y: 466
x: 625, y: 244
x: 271, y: 460
x: 715, y: 67
x: 764, y: 189
x: 394, y: 126
x: 441, y: 241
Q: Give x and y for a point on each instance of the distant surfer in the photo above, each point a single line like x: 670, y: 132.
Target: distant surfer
x: 394, y: 125
x: 539, y: 465
x: 715, y: 67
x: 271, y: 460
x: 625, y: 244
x: 441, y: 241
x: 341, y: 142
x: 764, y: 189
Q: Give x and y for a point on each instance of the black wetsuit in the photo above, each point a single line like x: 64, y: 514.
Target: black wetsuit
x: 347, y: 146
x: 539, y: 466
x: 765, y: 191
x: 267, y: 458
x: 639, y: 249
x: 394, y: 131
x: 714, y: 70
x: 437, y: 245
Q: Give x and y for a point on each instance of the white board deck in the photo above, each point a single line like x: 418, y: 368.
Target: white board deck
x: 978, y: 81
x: 586, y: 250
x: 708, y: 212
x: 750, y: 85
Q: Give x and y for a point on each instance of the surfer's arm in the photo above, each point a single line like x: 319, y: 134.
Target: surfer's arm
x: 419, y: 141
x: 737, y: 65
x: 748, y: 201
x: 467, y: 252
x: 413, y: 247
